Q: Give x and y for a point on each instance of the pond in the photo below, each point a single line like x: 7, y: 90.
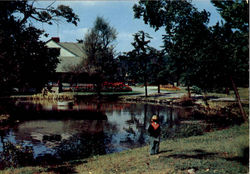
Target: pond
x: 53, y: 132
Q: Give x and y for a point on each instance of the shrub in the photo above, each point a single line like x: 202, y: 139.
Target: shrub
x: 184, y: 101
x: 196, y: 90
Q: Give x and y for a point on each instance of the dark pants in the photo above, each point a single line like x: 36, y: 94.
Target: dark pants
x: 154, y: 145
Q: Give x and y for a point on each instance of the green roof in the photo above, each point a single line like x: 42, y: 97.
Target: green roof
x: 75, y: 48
x: 68, y: 63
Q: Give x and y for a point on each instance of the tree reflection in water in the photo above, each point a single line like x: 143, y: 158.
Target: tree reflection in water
x: 14, y: 155
x: 46, y: 140
x: 87, y: 139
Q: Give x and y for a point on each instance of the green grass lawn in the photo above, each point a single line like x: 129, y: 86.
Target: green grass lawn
x: 223, y: 152
x: 217, y: 152
x: 243, y: 92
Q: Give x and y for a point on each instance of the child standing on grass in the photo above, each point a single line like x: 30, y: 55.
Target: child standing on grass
x: 154, y: 131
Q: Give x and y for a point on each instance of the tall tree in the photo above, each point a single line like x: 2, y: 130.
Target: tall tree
x: 158, y: 68
x: 140, y: 59
x: 232, y: 38
x: 99, y: 49
x: 185, y: 28
x: 24, y: 60
x: 187, y: 44
x: 207, y: 57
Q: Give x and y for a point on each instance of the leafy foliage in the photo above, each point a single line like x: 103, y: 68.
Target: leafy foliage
x: 25, y: 62
x: 232, y: 39
x: 185, y: 30
x: 99, y: 62
x: 206, y: 57
x: 235, y: 34
x: 140, y: 59
x: 235, y: 13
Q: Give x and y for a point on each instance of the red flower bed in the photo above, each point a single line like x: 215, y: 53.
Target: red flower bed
x: 106, y: 87
x: 85, y: 88
x: 116, y: 87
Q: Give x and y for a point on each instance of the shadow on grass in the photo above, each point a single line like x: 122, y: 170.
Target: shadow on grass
x: 244, y: 160
x: 201, y: 154
x: 165, y: 151
x: 68, y: 168
x: 195, y: 154
x: 62, y: 169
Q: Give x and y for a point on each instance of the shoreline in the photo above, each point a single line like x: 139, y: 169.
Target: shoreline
x: 221, y: 151
x: 158, y: 98
x: 171, y: 150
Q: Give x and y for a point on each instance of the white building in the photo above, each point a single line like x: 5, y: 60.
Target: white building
x: 71, y: 54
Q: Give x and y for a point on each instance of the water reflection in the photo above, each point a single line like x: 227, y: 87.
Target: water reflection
x: 62, y: 138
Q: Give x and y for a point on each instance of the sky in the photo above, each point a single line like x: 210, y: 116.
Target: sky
x: 119, y: 14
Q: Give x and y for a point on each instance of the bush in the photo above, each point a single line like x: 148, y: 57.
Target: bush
x: 184, y: 130
x: 184, y: 101
x: 196, y: 90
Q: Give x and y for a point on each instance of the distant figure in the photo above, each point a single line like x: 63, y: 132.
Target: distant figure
x: 154, y: 131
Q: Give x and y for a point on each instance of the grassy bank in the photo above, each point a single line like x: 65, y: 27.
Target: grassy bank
x: 243, y: 92
x: 224, y: 151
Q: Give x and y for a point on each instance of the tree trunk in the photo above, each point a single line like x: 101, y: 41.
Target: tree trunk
x: 145, y: 115
x: 206, y: 99
x: 238, y: 100
x: 98, y: 89
x: 178, y: 83
x: 146, y: 89
x: 145, y: 85
x: 159, y: 88
x: 189, y: 93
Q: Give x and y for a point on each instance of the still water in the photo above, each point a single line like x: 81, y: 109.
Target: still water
x: 61, y: 131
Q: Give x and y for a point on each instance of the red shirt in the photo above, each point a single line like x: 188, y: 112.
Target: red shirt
x: 154, y: 129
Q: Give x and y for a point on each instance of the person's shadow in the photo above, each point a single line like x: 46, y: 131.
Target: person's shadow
x: 165, y: 151
x: 195, y: 154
